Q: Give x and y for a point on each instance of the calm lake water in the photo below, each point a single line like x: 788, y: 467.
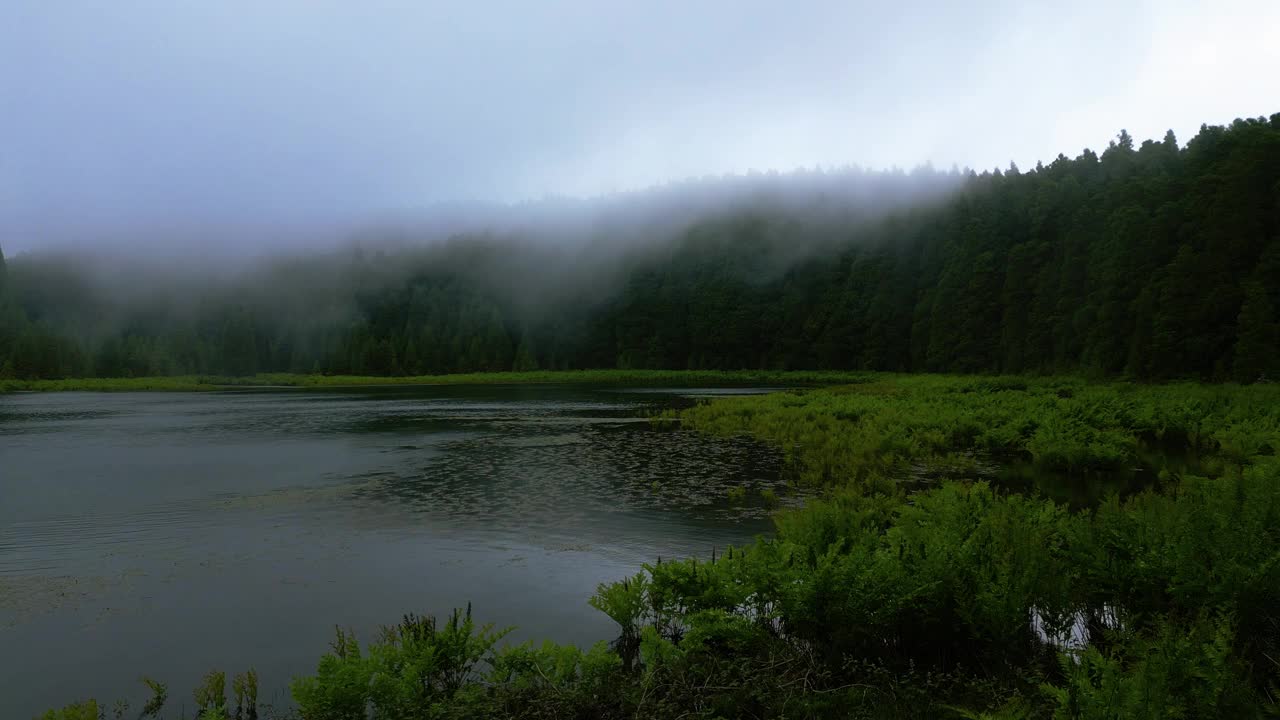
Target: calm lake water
x: 170, y: 534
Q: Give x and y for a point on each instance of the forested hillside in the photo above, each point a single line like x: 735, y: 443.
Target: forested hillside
x: 1149, y: 260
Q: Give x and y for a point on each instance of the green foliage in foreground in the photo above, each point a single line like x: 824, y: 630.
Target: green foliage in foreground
x: 959, y: 602
x: 956, y: 601
x: 676, y: 378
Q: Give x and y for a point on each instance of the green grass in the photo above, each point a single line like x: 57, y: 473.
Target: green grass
x: 677, y: 378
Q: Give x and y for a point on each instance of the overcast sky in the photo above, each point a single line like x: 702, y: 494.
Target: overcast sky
x: 172, y: 112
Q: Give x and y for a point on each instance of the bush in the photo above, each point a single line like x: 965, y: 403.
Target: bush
x: 416, y: 669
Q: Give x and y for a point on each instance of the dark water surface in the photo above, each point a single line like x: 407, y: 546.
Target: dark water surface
x: 170, y: 533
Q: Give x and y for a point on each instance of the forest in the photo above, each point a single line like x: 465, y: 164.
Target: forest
x: 1150, y: 260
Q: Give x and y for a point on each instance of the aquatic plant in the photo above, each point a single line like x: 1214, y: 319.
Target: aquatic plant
x: 159, y: 696
x: 413, y: 667
x: 625, y: 603
x: 85, y: 710
x: 245, y: 687
x: 769, y: 496
x: 211, y: 696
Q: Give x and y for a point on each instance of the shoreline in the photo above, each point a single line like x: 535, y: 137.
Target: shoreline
x: 283, y: 381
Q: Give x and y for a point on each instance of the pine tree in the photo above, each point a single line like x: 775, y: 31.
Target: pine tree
x: 526, y: 358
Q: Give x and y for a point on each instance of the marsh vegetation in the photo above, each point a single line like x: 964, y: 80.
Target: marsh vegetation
x: 916, y: 585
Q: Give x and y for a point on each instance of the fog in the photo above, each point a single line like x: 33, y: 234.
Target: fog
x: 240, y: 128
x: 535, y: 257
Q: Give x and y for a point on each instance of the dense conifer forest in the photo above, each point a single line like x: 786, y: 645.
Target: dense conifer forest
x: 1149, y: 260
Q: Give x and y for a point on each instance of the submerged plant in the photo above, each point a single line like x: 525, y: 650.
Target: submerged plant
x: 769, y: 496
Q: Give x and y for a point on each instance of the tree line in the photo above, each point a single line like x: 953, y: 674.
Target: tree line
x: 1148, y: 260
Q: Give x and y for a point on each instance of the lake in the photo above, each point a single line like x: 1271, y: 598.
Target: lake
x: 169, y: 534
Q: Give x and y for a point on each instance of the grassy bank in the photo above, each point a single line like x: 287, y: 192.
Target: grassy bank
x: 192, y: 383
x: 675, y: 378
x: 960, y: 600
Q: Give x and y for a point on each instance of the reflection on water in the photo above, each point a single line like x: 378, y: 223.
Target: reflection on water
x: 172, y: 533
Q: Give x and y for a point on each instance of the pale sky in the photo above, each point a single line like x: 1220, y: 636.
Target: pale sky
x: 189, y: 112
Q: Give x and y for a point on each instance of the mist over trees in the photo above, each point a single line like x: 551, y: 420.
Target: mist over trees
x: 1147, y: 260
